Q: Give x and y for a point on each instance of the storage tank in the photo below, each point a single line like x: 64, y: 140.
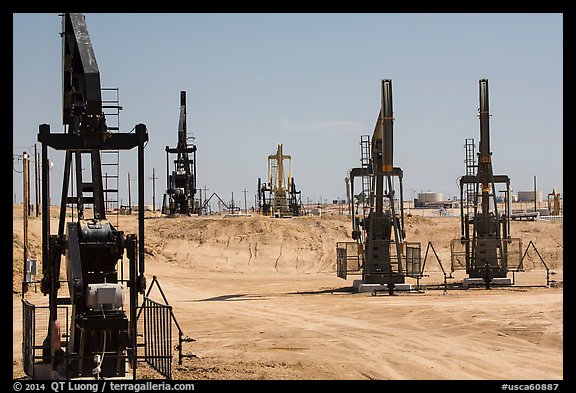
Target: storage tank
x: 427, y: 197
x: 528, y: 196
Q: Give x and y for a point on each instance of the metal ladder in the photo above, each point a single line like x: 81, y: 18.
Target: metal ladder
x: 471, y: 167
x: 110, y: 159
x: 365, y: 160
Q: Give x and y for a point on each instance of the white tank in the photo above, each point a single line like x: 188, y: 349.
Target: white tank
x: 528, y: 196
x: 430, y: 197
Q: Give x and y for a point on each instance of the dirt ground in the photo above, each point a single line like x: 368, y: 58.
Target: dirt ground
x: 262, y: 300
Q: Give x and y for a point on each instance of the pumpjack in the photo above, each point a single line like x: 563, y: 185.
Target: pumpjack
x: 279, y: 196
x: 179, y: 196
x: 485, y: 232
x: 554, y: 202
x: 379, y: 231
x: 102, y: 335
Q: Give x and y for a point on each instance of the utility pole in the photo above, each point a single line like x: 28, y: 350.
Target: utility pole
x: 245, y: 205
x: 36, y: 180
x: 153, y: 190
x: 232, y: 208
x: 26, y: 175
x: 535, y: 194
x: 26, y: 204
x: 47, y: 180
x: 205, y: 196
x: 129, y: 198
x: 347, y: 181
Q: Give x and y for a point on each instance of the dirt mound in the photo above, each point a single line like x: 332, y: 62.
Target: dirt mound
x: 246, y: 244
x: 295, y: 245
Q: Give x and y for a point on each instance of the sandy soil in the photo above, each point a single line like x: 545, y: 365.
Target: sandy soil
x: 262, y: 300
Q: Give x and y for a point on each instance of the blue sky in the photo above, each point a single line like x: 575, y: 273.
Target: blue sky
x: 312, y: 83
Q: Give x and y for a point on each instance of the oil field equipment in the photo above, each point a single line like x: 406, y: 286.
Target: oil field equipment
x: 380, y: 248
x: 181, y: 188
x: 554, y: 202
x: 279, y: 197
x: 485, y: 248
x: 91, y: 328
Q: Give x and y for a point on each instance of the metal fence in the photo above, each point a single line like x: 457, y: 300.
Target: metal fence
x: 409, y: 261
x: 157, y: 324
x: 154, y: 322
x: 28, y: 334
x: 511, y: 253
x: 413, y: 259
x: 458, y: 254
x: 35, y: 322
x: 349, y: 258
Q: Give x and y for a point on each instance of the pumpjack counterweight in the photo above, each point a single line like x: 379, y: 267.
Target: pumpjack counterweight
x: 181, y: 188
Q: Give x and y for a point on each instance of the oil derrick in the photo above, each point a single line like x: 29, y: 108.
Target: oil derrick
x: 380, y: 248
x: 279, y: 196
x: 181, y: 188
x: 485, y: 243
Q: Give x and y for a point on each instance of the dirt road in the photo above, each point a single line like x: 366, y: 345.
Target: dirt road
x: 281, y: 312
